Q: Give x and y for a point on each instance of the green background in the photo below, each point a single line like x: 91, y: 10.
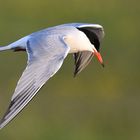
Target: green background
x: 99, y: 104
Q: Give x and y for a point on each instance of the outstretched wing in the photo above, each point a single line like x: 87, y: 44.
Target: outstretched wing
x: 82, y: 59
x: 45, y: 57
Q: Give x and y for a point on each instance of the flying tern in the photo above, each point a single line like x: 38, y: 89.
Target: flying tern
x: 46, y: 50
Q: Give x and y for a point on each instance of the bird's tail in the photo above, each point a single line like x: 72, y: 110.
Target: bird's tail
x: 4, y: 48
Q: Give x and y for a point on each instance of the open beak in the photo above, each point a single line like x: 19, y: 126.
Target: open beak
x: 99, y: 57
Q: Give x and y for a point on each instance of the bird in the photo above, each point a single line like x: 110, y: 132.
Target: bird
x: 46, y: 50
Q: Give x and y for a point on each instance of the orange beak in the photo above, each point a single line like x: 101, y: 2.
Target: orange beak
x: 99, y: 57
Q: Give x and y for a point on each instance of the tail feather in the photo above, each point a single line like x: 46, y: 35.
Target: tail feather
x: 4, y: 48
x: 19, y: 45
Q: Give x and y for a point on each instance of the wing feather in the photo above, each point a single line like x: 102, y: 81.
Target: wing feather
x: 41, y: 66
x: 82, y: 59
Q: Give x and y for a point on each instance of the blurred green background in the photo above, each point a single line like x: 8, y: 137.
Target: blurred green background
x: 99, y: 104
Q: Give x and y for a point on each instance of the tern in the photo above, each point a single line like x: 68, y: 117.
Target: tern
x: 46, y: 50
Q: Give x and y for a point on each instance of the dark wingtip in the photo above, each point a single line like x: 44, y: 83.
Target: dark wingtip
x: 75, y: 74
x: 103, y: 65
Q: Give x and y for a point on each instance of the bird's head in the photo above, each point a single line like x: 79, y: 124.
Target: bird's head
x: 95, y: 34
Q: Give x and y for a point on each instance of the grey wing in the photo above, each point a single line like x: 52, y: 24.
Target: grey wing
x: 43, y: 63
x: 82, y: 59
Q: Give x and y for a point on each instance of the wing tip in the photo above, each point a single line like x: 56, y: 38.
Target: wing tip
x: 2, y: 124
x: 76, y: 72
x: 74, y: 75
